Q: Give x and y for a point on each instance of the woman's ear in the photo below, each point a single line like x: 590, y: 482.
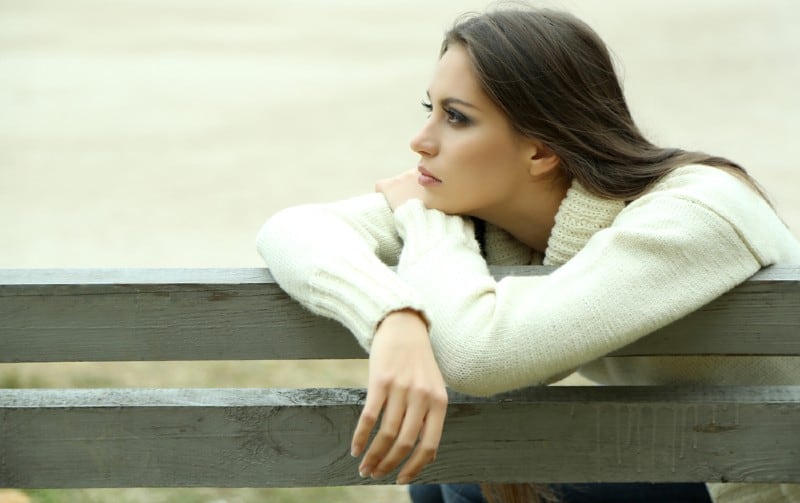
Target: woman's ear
x: 543, y: 160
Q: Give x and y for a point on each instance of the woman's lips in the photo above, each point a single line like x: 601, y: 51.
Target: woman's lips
x: 426, y: 178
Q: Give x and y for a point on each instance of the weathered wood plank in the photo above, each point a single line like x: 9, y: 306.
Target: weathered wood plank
x: 154, y: 315
x: 290, y: 438
x: 236, y: 314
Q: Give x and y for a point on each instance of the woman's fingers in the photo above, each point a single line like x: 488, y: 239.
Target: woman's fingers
x: 428, y: 445
x: 405, y: 441
x: 408, y: 417
x: 366, y: 422
x: 387, y: 431
x: 399, y: 189
x: 425, y: 423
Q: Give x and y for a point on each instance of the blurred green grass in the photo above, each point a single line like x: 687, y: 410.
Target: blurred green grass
x: 388, y: 494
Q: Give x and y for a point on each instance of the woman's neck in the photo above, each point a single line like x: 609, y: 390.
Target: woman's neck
x: 530, y: 215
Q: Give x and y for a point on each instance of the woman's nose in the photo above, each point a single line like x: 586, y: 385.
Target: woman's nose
x: 424, y: 142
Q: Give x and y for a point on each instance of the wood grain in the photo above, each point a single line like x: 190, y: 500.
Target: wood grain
x: 242, y: 314
x: 293, y: 438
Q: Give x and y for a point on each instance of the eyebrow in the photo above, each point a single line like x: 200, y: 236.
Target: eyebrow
x: 451, y: 101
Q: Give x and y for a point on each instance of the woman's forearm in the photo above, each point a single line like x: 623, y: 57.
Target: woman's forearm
x: 491, y: 336
x: 333, y: 258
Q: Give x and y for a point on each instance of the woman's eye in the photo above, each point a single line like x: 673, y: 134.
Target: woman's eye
x: 456, y: 118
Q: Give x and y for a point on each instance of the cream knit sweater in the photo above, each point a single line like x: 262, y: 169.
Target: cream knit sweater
x: 625, y: 271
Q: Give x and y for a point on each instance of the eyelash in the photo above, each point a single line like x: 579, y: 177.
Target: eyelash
x: 453, y: 117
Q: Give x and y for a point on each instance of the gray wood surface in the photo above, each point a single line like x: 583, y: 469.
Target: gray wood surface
x: 289, y: 438
x: 242, y: 314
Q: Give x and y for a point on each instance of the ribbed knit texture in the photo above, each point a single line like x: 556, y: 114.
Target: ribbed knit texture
x: 580, y: 215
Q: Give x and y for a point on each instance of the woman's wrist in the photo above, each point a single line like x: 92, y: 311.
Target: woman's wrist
x: 403, y: 318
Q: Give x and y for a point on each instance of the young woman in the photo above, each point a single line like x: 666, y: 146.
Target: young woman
x: 529, y: 155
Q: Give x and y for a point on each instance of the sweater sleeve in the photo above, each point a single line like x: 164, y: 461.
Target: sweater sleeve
x: 333, y: 258
x: 663, y: 257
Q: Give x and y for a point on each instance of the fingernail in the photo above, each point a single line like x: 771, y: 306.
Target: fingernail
x: 402, y: 480
x: 365, y: 472
x: 377, y: 475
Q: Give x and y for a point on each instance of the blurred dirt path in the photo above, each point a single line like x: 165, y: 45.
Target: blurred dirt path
x: 13, y: 496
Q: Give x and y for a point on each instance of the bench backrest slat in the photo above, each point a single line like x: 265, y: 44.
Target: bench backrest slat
x: 242, y: 314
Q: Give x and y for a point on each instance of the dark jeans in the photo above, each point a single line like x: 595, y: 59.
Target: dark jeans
x: 573, y: 493
x: 446, y: 493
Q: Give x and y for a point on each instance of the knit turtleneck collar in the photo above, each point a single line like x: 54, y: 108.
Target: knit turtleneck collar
x: 580, y: 215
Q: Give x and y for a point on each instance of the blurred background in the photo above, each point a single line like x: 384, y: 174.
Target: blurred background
x: 162, y: 133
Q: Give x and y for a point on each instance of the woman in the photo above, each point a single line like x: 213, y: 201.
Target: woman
x: 529, y: 156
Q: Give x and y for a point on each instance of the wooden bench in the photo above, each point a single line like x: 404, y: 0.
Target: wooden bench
x: 71, y: 438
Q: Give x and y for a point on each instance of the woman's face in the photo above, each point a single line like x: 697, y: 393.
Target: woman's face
x: 472, y: 162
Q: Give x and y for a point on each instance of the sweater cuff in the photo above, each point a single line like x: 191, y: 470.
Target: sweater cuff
x: 424, y: 229
x: 370, y: 298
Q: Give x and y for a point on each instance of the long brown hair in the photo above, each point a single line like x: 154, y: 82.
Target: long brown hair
x: 554, y: 78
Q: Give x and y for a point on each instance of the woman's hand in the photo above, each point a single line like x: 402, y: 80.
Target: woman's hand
x: 404, y: 382
x: 399, y: 189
